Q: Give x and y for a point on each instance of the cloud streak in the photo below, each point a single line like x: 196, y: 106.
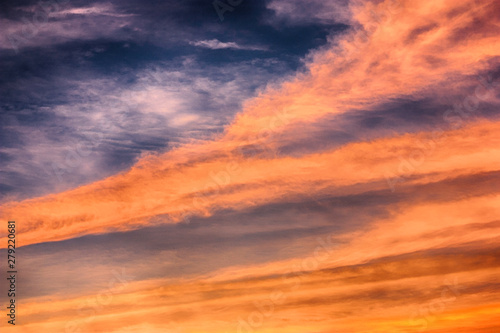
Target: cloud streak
x: 215, y: 44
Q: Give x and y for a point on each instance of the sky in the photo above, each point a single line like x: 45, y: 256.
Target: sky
x: 251, y: 166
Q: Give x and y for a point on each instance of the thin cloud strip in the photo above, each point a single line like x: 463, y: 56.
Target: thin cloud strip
x: 215, y: 44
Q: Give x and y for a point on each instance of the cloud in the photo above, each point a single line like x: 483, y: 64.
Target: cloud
x: 97, y: 9
x: 215, y: 44
x: 226, y: 175
x: 57, y: 24
x: 297, y: 12
x: 218, y: 181
x: 417, y: 202
x: 92, y: 126
x: 127, y: 78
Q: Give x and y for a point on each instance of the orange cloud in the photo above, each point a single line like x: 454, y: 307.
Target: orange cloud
x: 129, y: 200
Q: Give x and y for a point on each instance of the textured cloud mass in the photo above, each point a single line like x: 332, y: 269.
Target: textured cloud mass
x: 360, y: 194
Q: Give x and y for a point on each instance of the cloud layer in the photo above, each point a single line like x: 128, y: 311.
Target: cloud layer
x: 358, y: 195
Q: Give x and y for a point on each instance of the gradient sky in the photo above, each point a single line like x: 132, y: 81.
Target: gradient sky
x: 283, y: 166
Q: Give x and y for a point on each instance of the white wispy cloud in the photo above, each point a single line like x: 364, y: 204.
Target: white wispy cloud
x: 41, y: 27
x: 104, y: 125
x: 97, y: 9
x: 216, y: 44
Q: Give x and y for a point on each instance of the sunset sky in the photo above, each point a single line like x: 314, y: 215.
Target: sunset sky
x: 271, y: 166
